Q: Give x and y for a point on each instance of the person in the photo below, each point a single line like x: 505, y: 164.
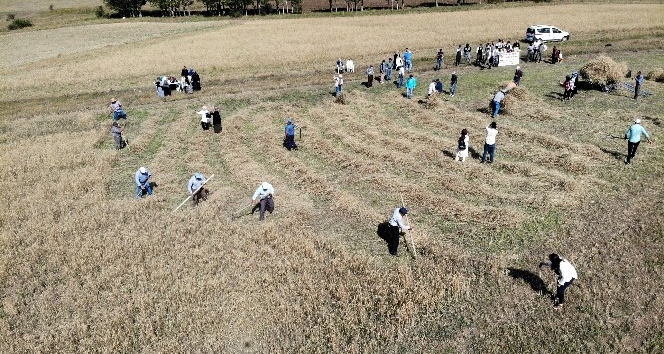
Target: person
x: 118, y: 111
x: 537, y: 50
x: 205, y: 118
x: 370, y: 76
x: 466, y: 53
x: 117, y: 131
x: 457, y: 59
x: 554, y: 55
x: 462, y: 146
x: 350, y: 66
x: 383, y: 71
x: 497, y: 100
x: 338, y: 84
x: 530, y: 52
x: 637, y: 84
x: 408, y: 58
x: 453, y: 83
x: 399, y: 62
x: 340, y: 66
x: 439, y: 59
x: 196, y: 187
x: 410, y: 86
x: 216, y: 120
x: 439, y: 86
x: 195, y: 80
x: 560, y: 56
x: 518, y: 74
x: 184, y: 73
x: 633, y: 137
x: 432, y: 88
x: 567, y: 95
x: 496, y: 56
x: 490, y: 142
x: 401, y: 72
x: 566, y: 276
x: 396, y: 55
x: 142, y: 178
x: 388, y: 74
x: 289, y: 135
x: 397, y: 226
x: 265, y: 194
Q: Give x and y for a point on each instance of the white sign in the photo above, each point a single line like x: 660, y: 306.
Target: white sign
x: 509, y: 58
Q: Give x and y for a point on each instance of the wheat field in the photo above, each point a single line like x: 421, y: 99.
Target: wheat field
x: 85, y: 267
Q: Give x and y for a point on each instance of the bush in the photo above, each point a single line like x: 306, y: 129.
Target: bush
x: 99, y: 12
x: 18, y: 24
x: 10, y: 17
x: 603, y: 71
x: 656, y: 75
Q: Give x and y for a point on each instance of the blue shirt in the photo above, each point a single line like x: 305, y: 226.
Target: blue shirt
x: 634, y: 133
x: 411, y: 83
x: 141, y: 178
x: 194, y: 183
x: 290, y: 129
x: 407, y: 56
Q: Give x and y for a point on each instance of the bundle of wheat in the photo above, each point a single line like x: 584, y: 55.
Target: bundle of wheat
x: 603, y: 71
x: 656, y: 75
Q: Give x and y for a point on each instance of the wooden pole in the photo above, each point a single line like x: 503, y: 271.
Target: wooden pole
x: 202, y: 185
x: 412, y: 243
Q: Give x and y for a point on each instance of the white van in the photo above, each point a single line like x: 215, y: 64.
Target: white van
x: 546, y: 33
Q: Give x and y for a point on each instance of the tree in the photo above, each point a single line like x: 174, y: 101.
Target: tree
x: 126, y: 7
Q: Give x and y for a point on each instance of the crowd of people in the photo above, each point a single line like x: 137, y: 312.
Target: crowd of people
x: 189, y: 82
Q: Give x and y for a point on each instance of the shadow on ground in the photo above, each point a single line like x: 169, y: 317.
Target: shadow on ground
x: 536, y: 283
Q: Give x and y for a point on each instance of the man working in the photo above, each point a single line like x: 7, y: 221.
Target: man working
x: 142, y: 179
x: 497, y: 100
x: 566, y: 276
x: 397, y: 226
x: 196, y: 188
x: 117, y: 131
x: 633, y: 137
x: 116, y: 108
x: 289, y: 135
x: 518, y: 74
x: 264, y: 193
x: 637, y: 84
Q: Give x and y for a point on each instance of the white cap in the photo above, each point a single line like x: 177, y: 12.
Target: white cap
x: 518, y: 67
x: 143, y: 170
x: 637, y: 121
x: 264, y: 185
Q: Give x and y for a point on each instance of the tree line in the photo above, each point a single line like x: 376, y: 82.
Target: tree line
x: 133, y: 8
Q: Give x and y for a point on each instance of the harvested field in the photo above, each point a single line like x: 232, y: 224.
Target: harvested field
x: 84, y: 266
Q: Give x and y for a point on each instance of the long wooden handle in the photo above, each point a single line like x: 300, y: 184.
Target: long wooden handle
x: 412, y: 243
x: 197, y: 189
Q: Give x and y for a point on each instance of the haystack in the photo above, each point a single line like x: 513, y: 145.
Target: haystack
x: 432, y: 101
x: 514, y: 98
x: 603, y: 71
x: 656, y: 75
x: 341, y: 98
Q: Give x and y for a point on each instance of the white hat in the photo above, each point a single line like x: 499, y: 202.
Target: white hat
x: 264, y: 185
x: 205, y: 108
x: 143, y: 170
x: 518, y: 67
x: 637, y: 121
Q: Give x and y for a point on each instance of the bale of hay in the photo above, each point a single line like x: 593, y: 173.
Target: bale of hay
x: 432, y: 101
x: 656, y: 75
x: 514, y: 98
x: 341, y: 98
x: 603, y: 71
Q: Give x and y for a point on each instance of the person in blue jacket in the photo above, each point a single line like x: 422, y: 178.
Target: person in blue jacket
x: 142, y: 179
x: 633, y: 137
x: 289, y: 135
x: 410, y: 86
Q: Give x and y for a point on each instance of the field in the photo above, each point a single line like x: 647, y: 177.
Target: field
x: 85, y: 267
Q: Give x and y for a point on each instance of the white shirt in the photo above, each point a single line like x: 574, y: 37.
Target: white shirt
x: 491, y: 135
x: 397, y: 220
x: 567, y: 272
x: 350, y: 65
x: 399, y: 62
x: 432, y: 88
x: 204, y: 117
x: 260, y: 193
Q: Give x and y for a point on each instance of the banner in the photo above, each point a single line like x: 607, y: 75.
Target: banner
x: 509, y: 58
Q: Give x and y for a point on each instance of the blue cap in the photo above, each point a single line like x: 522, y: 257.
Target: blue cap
x: 403, y: 210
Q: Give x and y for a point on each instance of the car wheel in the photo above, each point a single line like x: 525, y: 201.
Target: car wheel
x: 565, y: 38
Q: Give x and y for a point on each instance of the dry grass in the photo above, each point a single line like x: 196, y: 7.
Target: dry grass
x: 280, y: 49
x: 603, y: 71
x: 15, y: 6
x: 86, y: 267
x: 656, y: 75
